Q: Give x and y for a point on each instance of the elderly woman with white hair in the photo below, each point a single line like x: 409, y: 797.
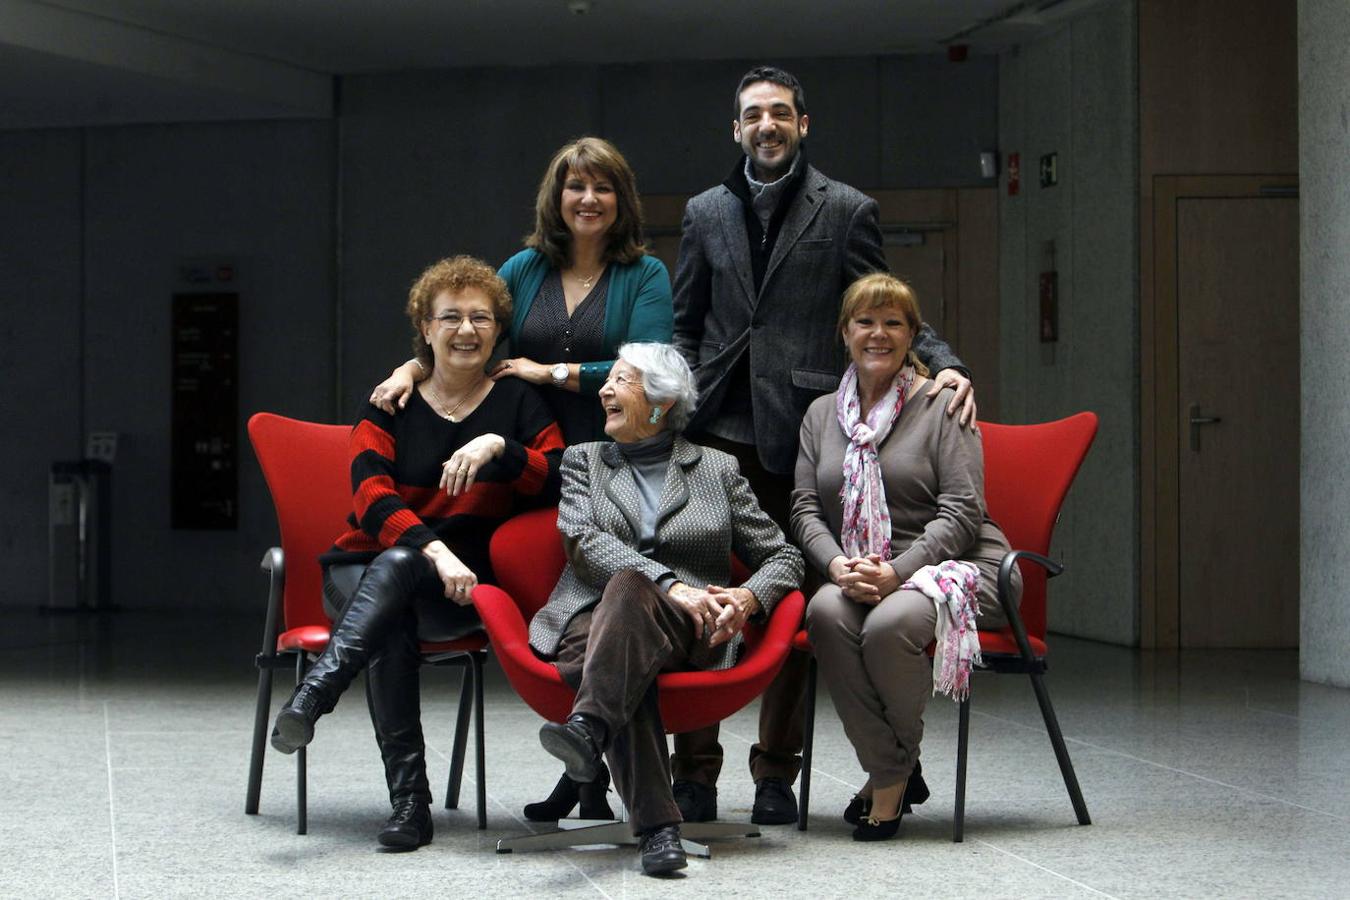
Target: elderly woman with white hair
x: 649, y: 523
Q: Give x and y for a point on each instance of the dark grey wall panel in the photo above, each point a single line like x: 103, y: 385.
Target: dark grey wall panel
x: 40, y: 226
x: 257, y: 194
x: 936, y: 118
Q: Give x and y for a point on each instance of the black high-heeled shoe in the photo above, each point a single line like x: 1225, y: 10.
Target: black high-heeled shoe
x: 870, y: 829
x: 916, y: 789
x: 916, y: 792
x: 568, y: 793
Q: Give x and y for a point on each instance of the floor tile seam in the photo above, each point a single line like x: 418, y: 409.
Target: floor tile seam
x: 1164, y: 766
x: 1046, y: 869
x: 1272, y: 712
x: 112, y: 810
x: 179, y: 732
x: 492, y: 798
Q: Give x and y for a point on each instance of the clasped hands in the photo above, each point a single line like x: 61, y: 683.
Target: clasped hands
x: 721, y: 611
x: 864, y: 579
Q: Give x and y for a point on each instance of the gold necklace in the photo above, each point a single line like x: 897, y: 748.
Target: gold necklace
x: 587, y: 282
x: 440, y: 401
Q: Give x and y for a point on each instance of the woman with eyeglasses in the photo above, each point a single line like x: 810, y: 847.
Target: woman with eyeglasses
x: 583, y: 285
x: 429, y: 487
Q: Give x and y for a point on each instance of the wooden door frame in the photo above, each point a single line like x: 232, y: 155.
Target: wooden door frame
x: 1159, y: 375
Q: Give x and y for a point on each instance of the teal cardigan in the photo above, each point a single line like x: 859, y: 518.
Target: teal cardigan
x: 638, y: 305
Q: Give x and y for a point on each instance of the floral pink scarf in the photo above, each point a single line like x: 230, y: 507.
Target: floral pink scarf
x: 951, y: 585
x: 867, y: 520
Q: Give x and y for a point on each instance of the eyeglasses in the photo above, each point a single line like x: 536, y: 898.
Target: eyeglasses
x: 624, y: 380
x: 453, y: 320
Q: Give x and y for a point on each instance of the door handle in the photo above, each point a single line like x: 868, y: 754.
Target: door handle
x: 1196, y: 421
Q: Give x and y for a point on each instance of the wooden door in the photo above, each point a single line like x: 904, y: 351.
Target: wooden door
x: 1237, y: 426
x: 919, y: 258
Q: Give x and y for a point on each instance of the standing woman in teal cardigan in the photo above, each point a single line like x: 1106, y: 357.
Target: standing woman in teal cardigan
x: 582, y: 286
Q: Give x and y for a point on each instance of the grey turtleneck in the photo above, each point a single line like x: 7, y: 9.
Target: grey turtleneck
x: 649, y: 457
x: 764, y: 197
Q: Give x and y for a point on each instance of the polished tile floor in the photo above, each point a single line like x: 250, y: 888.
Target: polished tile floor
x: 124, y: 742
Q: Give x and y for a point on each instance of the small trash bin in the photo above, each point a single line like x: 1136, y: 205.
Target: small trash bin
x: 79, y: 536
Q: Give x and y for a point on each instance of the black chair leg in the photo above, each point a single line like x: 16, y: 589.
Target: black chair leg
x: 962, y: 744
x: 480, y: 750
x: 301, y: 799
x: 258, y: 754
x: 808, y: 741
x: 461, y: 736
x: 1061, y: 750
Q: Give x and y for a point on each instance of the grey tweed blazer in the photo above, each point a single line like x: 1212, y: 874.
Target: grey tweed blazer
x: 829, y: 238
x: 707, y: 512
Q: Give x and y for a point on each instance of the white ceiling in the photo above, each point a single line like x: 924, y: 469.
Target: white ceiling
x: 68, y: 62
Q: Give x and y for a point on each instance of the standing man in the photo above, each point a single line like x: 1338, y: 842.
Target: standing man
x: 764, y: 259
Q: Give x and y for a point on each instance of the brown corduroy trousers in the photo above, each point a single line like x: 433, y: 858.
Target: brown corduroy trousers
x: 612, y: 654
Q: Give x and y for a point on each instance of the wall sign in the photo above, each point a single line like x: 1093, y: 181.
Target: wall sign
x: 204, y: 453
x: 1050, y: 170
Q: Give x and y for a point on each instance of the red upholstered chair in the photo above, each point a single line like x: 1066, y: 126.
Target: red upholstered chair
x: 1027, y: 473
x: 527, y: 556
x: 308, y: 472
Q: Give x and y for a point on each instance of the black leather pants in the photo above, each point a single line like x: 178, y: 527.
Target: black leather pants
x: 380, y: 611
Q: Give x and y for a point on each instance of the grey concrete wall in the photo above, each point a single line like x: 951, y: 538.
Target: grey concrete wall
x: 88, y: 275
x: 1324, y: 210
x: 40, y: 230
x: 258, y: 194
x: 1073, y: 93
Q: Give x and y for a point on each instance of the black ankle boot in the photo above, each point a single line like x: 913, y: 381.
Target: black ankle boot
x: 295, y: 723
x: 409, y: 827
x: 567, y: 793
x: 559, y: 803
x: 594, y: 803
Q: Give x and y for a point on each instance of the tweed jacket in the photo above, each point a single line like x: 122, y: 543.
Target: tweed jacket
x: 829, y: 238
x: 706, y: 513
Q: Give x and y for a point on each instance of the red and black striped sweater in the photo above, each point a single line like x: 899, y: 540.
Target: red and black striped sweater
x: 396, y: 473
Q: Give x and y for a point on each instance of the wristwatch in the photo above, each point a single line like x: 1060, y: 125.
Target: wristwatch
x: 559, y: 375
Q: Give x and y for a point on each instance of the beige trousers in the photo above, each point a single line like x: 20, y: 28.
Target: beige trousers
x: 873, y: 661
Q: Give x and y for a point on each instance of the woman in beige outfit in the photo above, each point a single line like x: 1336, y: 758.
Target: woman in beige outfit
x: 889, y: 489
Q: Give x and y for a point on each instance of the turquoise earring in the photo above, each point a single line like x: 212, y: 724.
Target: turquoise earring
x: 655, y: 416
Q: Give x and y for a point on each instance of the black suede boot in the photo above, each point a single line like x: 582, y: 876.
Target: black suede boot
x: 567, y: 793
